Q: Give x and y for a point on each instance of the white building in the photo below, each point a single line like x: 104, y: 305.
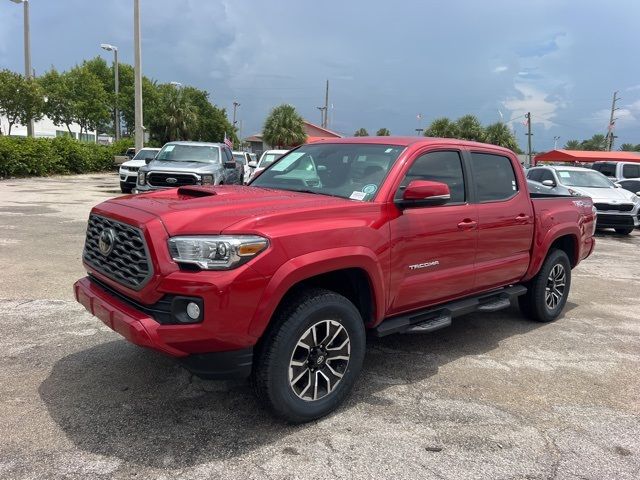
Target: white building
x: 46, y: 128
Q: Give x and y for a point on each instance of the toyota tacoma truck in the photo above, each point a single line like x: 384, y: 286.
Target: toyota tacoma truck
x: 282, y: 280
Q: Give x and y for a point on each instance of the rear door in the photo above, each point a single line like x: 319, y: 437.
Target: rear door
x: 433, y: 249
x: 505, y: 219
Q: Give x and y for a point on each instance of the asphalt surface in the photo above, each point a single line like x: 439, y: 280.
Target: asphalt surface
x: 492, y: 397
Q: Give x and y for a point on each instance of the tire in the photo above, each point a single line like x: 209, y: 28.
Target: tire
x: 283, y: 371
x: 624, y: 231
x: 124, y: 188
x: 535, y: 304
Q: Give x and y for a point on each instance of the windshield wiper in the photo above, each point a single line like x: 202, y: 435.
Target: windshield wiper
x: 315, y: 192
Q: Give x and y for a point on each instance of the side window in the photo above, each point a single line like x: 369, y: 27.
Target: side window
x: 606, y: 168
x: 445, y: 167
x: 631, y: 171
x: 228, y: 155
x: 534, y: 174
x: 546, y: 175
x: 631, y: 185
x: 494, y: 177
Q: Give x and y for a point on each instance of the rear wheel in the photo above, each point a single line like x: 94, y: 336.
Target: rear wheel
x: 548, y: 290
x: 624, y: 231
x: 310, y: 357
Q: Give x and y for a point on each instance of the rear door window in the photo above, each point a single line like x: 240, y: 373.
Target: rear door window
x: 606, y: 168
x: 494, y: 177
x: 631, y: 171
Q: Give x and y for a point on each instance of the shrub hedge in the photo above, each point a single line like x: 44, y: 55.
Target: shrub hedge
x: 23, y: 157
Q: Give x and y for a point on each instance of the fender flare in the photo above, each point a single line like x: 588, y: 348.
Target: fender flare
x: 542, y: 243
x: 311, y: 264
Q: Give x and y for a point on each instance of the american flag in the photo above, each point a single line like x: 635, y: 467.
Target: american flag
x: 228, y: 142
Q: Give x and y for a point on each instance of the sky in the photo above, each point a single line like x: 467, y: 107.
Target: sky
x: 387, y: 62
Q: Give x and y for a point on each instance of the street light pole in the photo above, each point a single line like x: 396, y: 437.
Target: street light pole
x: 28, y: 72
x: 139, y: 129
x: 555, y: 142
x: 235, y: 107
x: 114, y: 49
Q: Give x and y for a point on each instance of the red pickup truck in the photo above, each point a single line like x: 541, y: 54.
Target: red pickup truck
x: 281, y: 280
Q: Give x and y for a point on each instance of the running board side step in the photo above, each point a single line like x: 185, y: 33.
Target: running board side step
x: 441, y: 316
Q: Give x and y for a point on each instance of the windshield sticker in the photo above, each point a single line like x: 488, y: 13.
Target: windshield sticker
x: 564, y: 174
x: 358, y: 196
x: 169, y: 148
x: 370, y: 189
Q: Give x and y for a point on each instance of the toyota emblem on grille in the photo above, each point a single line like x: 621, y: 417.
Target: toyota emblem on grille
x: 107, y: 241
x: 171, y: 180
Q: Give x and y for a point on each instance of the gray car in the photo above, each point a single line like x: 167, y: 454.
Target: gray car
x: 189, y: 163
x: 617, y: 208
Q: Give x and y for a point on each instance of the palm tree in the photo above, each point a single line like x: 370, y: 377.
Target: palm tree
x: 180, y: 116
x: 499, y: 134
x: 361, y: 132
x: 597, y: 142
x: 442, y: 128
x: 572, y: 145
x: 383, y: 132
x: 470, y: 128
x: 284, y: 128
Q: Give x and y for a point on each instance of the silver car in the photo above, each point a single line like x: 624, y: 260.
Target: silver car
x: 189, y: 163
x: 617, y: 208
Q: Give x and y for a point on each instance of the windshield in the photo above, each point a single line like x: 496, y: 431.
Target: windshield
x: 268, y: 158
x: 584, y: 178
x: 145, y: 153
x: 352, y: 171
x: 189, y: 153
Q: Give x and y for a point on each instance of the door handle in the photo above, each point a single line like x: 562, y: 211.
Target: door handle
x: 467, y: 224
x: 522, y: 218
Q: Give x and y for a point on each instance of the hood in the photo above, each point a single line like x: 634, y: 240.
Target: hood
x: 211, y: 210
x: 133, y: 163
x: 195, y: 167
x: 606, y: 195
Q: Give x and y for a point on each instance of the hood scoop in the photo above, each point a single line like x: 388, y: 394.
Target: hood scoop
x: 196, y: 191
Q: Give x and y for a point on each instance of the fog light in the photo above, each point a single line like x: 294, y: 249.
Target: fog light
x: 193, y: 310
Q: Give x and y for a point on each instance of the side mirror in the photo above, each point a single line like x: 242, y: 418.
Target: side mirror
x: 231, y: 164
x: 424, y: 193
x: 253, y: 164
x: 548, y: 183
x: 148, y: 160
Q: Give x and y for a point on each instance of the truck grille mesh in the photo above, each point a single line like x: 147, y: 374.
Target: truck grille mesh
x: 614, y: 207
x: 128, y: 262
x: 159, y: 179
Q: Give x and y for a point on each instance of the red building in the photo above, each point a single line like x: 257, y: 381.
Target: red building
x: 585, y: 156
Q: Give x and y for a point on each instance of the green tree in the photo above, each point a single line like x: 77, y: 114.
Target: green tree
x: 499, y: 134
x: 58, y: 105
x: 383, y: 132
x: 597, y: 142
x: 21, y: 99
x: 361, y: 132
x: 175, y: 117
x: 284, y: 128
x: 573, y: 145
x: 89, y: 100
x: 470, y: 128
x: 630, y: 147
x: 442, y: 128
x: 212, y: 123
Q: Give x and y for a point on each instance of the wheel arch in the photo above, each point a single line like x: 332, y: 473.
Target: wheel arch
x: 566, y: 240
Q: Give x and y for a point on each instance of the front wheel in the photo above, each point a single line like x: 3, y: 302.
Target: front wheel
x: 624, y: 231
x: 311, y: 356
x: 548, y: 290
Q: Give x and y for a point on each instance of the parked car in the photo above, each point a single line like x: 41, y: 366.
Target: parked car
x: 189, y: 163
x: 632, y: 185
x: 617, y: 208
x: 266, y: 159
x: 394, y: 234
x: 618, y: 170
x: 131, y: 152
x: 129, y: 170
x: 245, y: 159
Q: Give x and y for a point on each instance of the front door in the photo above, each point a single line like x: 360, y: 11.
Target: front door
x: 434, y: 249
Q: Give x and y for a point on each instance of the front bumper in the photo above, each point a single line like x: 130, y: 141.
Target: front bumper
x: 617, y: 220
x: 141, y: 329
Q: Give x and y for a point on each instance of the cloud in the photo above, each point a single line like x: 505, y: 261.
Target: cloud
x: 633, y: 88
x: 626, y: 116
x: 543, y: 109
x: 500, y: 69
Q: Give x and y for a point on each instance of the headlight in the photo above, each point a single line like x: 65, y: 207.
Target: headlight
x: 220, y: 252
x: 635, y: 198
x: 141, y: 178
x: 207, y: 179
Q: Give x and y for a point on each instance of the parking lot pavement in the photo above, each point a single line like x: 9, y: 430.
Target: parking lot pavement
x: 494, y: 396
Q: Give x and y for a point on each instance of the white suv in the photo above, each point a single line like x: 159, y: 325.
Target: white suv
x: 129, y: 169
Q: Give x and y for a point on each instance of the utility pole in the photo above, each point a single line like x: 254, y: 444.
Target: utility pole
x: 28, y: 72
x: 612, y: 122
x: 529, y: 134
x: 235, y: 107
x: 325, y: 123
x: 322, y: 110
x: 139, y: 129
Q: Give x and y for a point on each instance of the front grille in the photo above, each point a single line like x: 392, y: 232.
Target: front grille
x: 615, y: 221
x: 132, y: 169
x: 128, y: 261
x: 614, y: 207
x: 159, y: 179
